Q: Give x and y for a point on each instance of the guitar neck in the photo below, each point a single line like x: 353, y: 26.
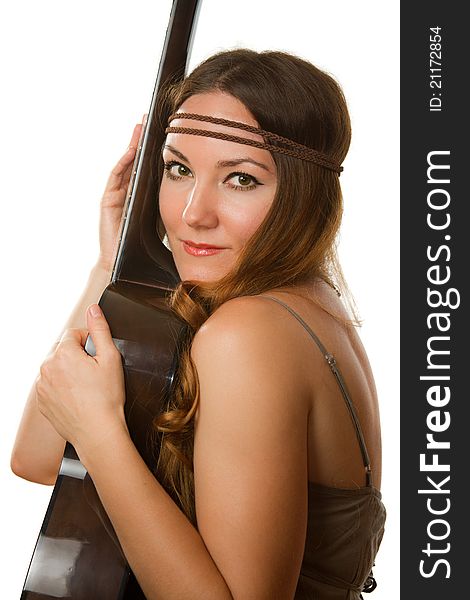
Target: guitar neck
x: 141, y: 255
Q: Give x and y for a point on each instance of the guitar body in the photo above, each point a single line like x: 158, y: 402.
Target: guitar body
x: 77, y: 554
x: 74, y: 557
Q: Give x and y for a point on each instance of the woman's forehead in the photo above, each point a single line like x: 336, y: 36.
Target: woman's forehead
x: 223, y: 106
x: 219, y: 153
x: 218, y: 104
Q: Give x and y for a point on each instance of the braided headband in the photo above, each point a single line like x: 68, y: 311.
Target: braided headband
x: 293, y: 148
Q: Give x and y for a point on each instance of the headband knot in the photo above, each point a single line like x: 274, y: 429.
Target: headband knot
x: 291, y: 148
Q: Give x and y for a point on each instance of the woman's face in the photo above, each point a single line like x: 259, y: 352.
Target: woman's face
x: 214, y: 193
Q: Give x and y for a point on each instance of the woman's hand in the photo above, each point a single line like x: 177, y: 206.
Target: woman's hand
x: 83, y: 396
x: 112, y: 202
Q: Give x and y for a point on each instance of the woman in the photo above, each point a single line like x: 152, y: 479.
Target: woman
x: 269, y: 472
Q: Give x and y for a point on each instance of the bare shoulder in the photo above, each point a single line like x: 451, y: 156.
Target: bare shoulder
x: 246, y: 328
x: 240, y: 314
x: 246, y: 344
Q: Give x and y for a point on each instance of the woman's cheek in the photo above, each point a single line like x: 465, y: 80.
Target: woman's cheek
x: 243, y: 222
x: 170, y: 211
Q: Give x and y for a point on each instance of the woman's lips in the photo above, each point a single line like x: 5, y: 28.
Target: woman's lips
x: 200, y: 249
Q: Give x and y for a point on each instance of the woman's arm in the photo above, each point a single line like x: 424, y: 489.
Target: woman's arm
x: 38, y: 449
x: 164, y: 550
x: 250, y: 459
x: 251, y: 448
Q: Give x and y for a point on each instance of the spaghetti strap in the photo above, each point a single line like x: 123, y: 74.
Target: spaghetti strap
x: 330, y: 359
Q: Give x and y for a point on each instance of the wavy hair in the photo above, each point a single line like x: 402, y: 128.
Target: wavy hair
x: 297, y: 239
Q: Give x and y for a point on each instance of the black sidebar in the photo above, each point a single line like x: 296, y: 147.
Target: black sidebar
x: 435, y: 369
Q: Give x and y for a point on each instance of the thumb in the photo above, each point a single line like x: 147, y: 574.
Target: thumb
x: 99, y: 330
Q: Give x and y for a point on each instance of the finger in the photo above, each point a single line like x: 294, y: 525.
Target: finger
x: 121, y: 169
x: 99, y: 331
x: 72, y: 340
x: 75, y: 337
x: 136, y: 133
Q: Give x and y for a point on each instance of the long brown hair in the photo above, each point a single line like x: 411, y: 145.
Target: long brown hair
x: 297, y: 240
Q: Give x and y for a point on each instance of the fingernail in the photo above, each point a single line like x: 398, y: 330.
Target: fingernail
x: 95, y: 311
x: 144, y: 118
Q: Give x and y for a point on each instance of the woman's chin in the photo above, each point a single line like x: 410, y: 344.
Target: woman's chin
x: 202, y: 275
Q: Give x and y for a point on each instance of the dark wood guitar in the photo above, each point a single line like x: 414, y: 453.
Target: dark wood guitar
x: 77, y: 554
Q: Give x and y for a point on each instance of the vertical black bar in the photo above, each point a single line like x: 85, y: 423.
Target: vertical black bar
x: 435, y: 428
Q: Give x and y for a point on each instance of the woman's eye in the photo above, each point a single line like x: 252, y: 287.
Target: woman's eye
x: 176, y: 170
x: 236, y: 181
x: 243, y: 181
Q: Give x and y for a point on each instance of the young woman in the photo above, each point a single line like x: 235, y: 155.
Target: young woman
x: 269, y: 473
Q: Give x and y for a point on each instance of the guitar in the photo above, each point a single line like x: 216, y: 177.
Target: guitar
x: 77, y: 554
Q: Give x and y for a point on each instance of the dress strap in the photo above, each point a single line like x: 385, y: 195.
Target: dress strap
x: 330, y: 359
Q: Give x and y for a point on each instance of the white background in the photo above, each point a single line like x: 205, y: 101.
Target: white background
x: 75, y: 79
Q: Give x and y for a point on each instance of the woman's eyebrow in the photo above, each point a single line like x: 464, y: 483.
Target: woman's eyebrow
x: 236, y: 161
x: 177, y: 152
x: 223, y: 163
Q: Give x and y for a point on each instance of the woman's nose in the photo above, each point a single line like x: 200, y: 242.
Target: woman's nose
x: 201, y: 208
